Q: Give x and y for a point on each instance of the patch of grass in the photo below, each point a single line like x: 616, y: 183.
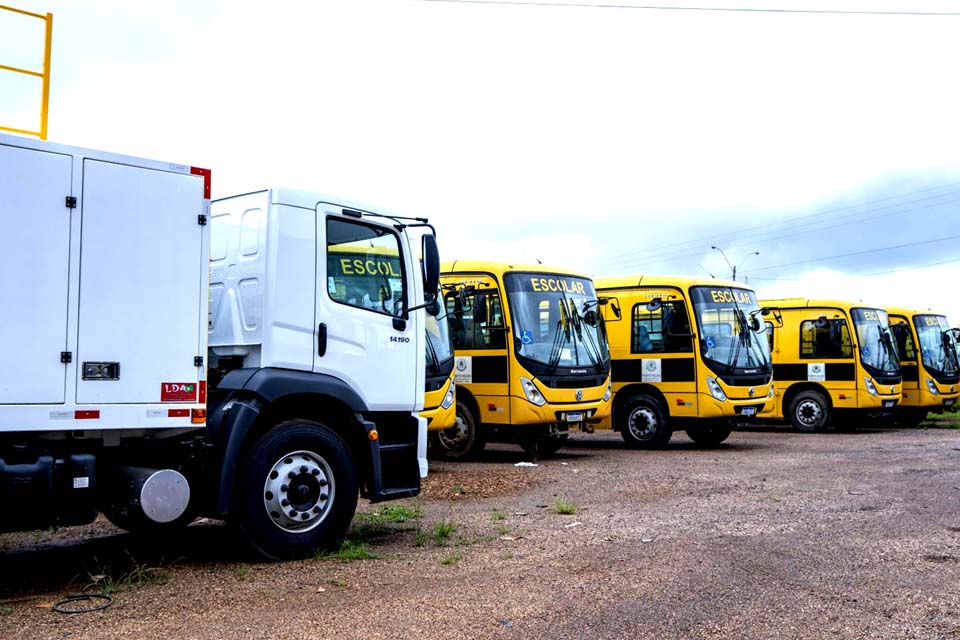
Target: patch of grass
x: 458, y: 490
x: 368, y: 530
x: 498, y: 515
x: 349, y: 551
x: 109, y: 581
x: 442, y: 530
x: 508, y: 555
x: 339, y: 582
x: 397, y: 513
x: 564, y: 506
x: 243, y: 572
x: 503, y: 529
x: 453, y: 558
x: 5, y: 611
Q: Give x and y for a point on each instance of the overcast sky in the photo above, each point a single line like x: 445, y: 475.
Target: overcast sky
x: 607, y: 140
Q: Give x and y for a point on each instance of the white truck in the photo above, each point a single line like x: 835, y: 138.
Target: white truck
x: 116, y: 273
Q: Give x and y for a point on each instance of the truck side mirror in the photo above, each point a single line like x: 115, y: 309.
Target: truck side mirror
x: 431, y: 263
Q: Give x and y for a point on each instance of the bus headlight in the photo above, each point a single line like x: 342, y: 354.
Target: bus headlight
x: 533, y: 394
x: 871, y: 388
x: 932, y: 388
x: 608, y: 392
x: 449, y: 398
x: 716, y: 390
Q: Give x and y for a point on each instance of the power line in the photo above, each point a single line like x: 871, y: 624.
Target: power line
x: 683, y: 248
x: 857, y: 253
x: 870, y: 275
x: 707, y: 9
x: 796, y: 229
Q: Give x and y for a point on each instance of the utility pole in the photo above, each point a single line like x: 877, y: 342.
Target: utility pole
x: 733, y: 268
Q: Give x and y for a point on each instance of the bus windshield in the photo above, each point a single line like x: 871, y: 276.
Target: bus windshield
x: 730, y: 330
x: 937, y: 346
x: 439, y: 344
x: 555, y: 320
x: 878, y: 353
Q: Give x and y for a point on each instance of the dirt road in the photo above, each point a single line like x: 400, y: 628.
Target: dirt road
x: 773, y: 535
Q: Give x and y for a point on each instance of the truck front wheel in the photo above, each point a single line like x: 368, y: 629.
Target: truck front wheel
x: 297, y: 491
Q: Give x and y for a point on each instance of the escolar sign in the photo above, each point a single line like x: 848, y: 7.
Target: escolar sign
x: 731, y: 295
x: 368, y: 267
x: 566, y: 285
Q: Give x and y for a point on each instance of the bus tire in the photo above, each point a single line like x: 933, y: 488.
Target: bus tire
x: 297, y: 491
x: 546, y: 446
x: 809, y: 411
x: 910, y: 418
x: 709, y: 436
x: 462, y: 440
x: 644, y: 423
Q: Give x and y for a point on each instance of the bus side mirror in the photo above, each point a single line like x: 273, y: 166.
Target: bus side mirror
x: 431, y: 263
x: 821, y: 322
x: 654, y: 304
x: 590, y: 318
x: 480, y: 309
x: 610, y: 303
x: 433, y: 307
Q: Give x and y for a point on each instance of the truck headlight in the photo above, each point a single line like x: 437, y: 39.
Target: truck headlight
x: 533, y: 394
x: 932, y: 387
x: 449, y: 398
x: 871, y: 388
x: 716, y: 390
x: 608, y: 392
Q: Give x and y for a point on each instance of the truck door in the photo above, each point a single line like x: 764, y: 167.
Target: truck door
x: 362, y: 291
x: 141, y: 223
x: 34, y: 273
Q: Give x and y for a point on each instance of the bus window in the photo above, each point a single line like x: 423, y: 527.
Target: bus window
x: 901, y: 331
x: 467, y: 333
x: 824, y: 338
x: 664, y: 330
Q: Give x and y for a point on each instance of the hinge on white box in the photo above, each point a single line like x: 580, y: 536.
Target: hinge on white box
x: 66, y: 357
x: 71, y: 202
x: 198, y: 361
x: 201, y: 220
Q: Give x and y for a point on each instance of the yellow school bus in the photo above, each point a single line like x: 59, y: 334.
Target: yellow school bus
x: 686, y: 354
x: 353, y: 271
x: 439, y: 402
x: 829, y: 356
x: 928, y: 357
x: 531, y: 357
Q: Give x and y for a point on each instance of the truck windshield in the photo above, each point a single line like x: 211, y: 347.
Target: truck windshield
x: 555, y: 320
x: 937, y: 347
x: 439, y: 345
x: 878, y: 353
x: 731, y: 333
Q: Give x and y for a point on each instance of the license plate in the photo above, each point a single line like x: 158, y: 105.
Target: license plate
x: 749, y: 411
x: 575, y: 416
x: 889, y: 403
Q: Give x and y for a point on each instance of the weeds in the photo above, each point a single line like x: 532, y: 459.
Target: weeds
x: 503, y: 529
x: 498, y: 515
x: 397, y: 513
x: 453, y: 558
x: 107, y: 582
x: 5, y: 611
x: 349, y: 551
x: 243, y: 572
x: 564, y: 506
x: 442, y: 531
x: 339, y: 582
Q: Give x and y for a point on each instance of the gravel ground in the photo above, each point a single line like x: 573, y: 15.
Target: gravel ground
x: 772, y: 535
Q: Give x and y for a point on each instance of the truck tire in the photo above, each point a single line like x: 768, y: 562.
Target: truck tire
x: 709, y: 436
x: 644, y: 423
x: 462, y: 440
x: 809, y: 411
x: 297, y: 491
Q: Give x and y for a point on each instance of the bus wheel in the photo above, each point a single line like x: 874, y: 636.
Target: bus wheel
x: 462, y: 439
x: 546, y: 446
x: 910, y: 418
x: 297, y: 491
x: 709, y: 436
x: 809, y: 412
x: 643, y: 424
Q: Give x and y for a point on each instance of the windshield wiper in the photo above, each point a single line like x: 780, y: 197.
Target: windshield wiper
x: 592, y: 343
x: 563, y: 331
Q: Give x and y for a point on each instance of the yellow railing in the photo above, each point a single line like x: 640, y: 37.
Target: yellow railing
x: 44, y: 75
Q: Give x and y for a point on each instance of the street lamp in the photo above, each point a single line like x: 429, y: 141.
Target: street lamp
x: 732, y: 267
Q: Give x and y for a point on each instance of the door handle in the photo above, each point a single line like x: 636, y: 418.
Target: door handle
x: 322, y: 339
